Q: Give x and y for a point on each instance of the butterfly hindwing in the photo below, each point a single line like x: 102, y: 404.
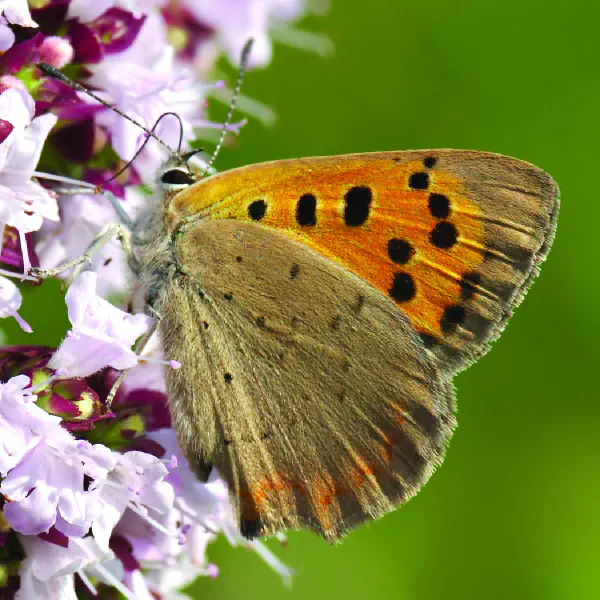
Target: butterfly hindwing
x: 305, y: 386
x: 453, y: 237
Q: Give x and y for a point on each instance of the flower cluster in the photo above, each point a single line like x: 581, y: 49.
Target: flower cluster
x: 95, y: 494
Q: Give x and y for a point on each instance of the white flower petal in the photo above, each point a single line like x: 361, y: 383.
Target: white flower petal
x: 17, y: 12
x: 102, y: 334
x: 17, y: 107
x: 48, y: 561
x: 7, y: 38
x: 25, y: 156
x: 10, y: 298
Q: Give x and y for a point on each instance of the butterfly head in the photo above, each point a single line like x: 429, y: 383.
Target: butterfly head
x: 179, y: 172
x: 176, y: 177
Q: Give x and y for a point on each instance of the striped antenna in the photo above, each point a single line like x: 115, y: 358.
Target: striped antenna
x: 56, y: 74
x: 236, y: 92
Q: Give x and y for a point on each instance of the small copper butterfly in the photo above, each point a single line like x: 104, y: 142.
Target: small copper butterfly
x: 320, y: 308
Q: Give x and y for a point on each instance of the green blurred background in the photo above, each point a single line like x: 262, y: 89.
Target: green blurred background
x: 514, y: 512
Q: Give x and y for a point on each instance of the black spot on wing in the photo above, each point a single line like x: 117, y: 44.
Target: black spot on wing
x: 453, y: 316
x: 306, y: 211
x: 358, y: 203
x: 403, y: 288
x: 444, y: 235
x: 257, y: 210
x: 400, y: 251
x: 439, y: 206
x: 419, y: 181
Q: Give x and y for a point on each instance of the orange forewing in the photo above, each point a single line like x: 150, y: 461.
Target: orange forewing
x: 398, y: 211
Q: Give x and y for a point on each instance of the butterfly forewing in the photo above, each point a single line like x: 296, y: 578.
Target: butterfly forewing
x: 306, y: 387
x: 320, y: 309
x: 452, y: 237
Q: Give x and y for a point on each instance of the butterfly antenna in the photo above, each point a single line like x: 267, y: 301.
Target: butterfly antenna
x: 139, y: 151
x: 236, y: 92
x: 56, y: 74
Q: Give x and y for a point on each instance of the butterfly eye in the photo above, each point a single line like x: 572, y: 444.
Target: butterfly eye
x: 177, y: 177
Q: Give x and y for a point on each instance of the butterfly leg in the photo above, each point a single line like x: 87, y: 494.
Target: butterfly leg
x: 108, y: 233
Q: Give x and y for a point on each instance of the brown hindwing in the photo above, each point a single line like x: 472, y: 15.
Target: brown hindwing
x: 305, y: 386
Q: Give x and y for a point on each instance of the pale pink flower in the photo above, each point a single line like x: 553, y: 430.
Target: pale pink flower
x: 48, y: 570
x: 13, y: 12
x: 46, y: 488
x: 102, y: 335
x: 17, y: 12
x: 7, y: 37
x: 156, y: 84
x: 136, y: 483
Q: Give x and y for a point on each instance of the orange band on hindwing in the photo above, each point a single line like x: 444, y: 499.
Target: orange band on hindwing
x: 325, y: 495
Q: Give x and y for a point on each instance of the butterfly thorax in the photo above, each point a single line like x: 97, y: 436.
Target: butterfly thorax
x: 154, y: 246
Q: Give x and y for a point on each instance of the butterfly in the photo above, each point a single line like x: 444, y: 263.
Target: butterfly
x: 321, y: 307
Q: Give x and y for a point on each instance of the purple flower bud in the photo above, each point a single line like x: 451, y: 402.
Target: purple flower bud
x: 150, y: 404
x: 112, y: 32
x: 75, y: 141
x: 85, y: 44
x: 75, y: 402
x: 51, y: 15
x: 25, y: 360
x: 192, y: 32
